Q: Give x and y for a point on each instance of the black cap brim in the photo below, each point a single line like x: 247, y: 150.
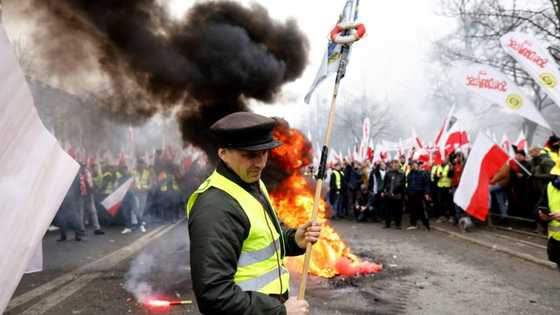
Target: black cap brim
x: 260, y: 147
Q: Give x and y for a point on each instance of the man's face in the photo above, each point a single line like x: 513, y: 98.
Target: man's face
x: 414, y: 166
x: 383, y: 166
x: 248, y: 165
x: 395, y: 166
x: 519, y: 157
x: 535, y: 152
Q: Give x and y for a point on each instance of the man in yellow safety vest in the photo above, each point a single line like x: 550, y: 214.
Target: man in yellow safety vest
x: 237, y: 243
x: 549, y: 211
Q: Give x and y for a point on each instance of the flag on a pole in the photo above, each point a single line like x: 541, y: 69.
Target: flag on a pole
x: 485, y: 160
x: 447, y: 124
x: 499, y: 89
x: 536, y: 60
x: 36, y: 174
x: 506, y: 144
x: 418, y: 143
x: 114, y: 201
x: 521, y: 142
x: 333, y: 55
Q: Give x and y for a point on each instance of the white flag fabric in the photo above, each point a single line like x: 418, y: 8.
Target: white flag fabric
x: 333, y: 55
x: 35, y: 174
x: 499, y: 89
x: 114, y: 201
x: 485, y: 160
x: 36, y: 262
x: 536, y: 60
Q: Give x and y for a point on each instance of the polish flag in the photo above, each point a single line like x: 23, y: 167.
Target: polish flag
x: 114, y: 201
x: 521, y: 142
x: 456, y: 138
x: 506, y: 144
x: 418, y: 143
x: 485, y: 160
x: 447, y: 123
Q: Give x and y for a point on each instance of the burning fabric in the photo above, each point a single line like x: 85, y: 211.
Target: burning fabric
x: 293, y: 199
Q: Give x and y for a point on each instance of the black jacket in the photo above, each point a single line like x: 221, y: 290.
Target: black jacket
x: 376, y: 181
x: 394, y: 184
x: 417, y: 183
x: 218, y: 226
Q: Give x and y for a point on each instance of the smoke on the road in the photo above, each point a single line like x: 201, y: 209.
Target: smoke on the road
x: 159, y: 268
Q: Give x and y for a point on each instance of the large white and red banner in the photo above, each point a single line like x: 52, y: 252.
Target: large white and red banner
x: 35, y: 171
x: 499, y: 89
x: 485, y: 160
x: 114, y: 201
x: 532, y: 55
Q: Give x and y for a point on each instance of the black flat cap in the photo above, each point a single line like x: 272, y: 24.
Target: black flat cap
x: 245, y: 131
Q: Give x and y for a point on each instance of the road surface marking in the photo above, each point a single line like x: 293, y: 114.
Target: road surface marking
x: 105, y: 262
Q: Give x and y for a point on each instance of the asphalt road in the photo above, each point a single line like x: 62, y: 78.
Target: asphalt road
x: 424, y: 273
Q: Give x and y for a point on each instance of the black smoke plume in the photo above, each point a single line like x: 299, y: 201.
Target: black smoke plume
x: 209, y: 64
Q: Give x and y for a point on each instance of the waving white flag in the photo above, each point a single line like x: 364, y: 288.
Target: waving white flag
x: 333, y: 55
x: 35, y: 174
x: 497, y: 88
x: 536, y: 60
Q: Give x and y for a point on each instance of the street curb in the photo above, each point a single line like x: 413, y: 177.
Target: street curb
x: 538, y: 261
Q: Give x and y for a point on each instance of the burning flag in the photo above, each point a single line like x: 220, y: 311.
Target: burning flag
x: 293, y: 199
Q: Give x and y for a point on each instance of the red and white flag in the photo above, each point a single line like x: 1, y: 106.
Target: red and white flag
x: 447, y: 123
x: 485, y: 160
x: 506, y: 144
x: 418, y: 143
x: 455, y: 138
x: 521, y: 142
x: 114, y: 201
x: 35, y: 175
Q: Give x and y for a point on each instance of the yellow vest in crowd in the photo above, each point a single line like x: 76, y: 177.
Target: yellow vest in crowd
x: 337, y: 179
x: 257, y: 268
x: 554, y: 206
x: 109, y: 189
x: 142, y: 179
x: 553, y: 155
x: 163, y: 178
x: 444, y: 180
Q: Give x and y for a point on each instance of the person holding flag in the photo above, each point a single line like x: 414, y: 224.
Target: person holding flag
x: 237, y: 243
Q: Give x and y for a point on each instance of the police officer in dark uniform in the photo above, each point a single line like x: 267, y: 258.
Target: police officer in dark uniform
x: 237, y: 243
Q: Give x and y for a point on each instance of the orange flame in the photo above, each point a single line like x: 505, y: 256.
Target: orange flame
x: 293, y: 199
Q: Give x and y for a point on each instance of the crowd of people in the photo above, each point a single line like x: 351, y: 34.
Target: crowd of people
x: 383, y: 191
x: 156, y: 195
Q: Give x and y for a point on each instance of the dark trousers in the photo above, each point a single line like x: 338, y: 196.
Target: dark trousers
x: 444, y: 202
x: 553, y: 250
x: 416, y: 208
x: 350, y: 199
x: 393, y: 211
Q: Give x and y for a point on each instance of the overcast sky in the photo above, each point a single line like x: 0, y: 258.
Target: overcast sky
x: 390, y: 62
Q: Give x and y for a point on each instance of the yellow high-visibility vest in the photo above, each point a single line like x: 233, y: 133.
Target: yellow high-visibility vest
x: 444, y: 180
x: 554, y: 206
x: 553, y: 155
x: 142, y: 179
x: 337, y: 179
x: 258, y: 267
x: 109, y: 189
